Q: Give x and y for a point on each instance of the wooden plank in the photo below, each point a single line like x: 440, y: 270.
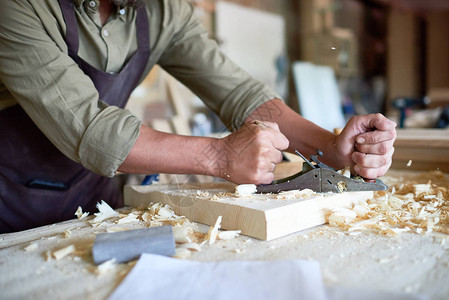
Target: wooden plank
x: 261, y: 216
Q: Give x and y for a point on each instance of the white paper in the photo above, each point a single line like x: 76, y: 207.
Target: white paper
x: 159, y: 277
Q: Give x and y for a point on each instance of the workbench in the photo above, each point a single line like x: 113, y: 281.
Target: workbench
x: 408, y: 263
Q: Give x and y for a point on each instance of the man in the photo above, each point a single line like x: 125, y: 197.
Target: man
x: 67, y: 68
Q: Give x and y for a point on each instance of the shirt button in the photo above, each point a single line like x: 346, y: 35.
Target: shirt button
x: 92, y: 3
x: 105, y: 32
x: 122, y: 11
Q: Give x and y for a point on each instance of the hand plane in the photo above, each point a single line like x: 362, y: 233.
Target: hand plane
x: 321, y: 178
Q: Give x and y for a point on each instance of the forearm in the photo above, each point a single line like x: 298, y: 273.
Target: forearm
x: 159, y: 152
x: 304, y: 136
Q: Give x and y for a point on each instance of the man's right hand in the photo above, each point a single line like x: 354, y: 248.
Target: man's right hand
x: 251, y: 153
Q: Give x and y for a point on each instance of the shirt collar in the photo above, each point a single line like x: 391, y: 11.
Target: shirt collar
x: 120, y: 12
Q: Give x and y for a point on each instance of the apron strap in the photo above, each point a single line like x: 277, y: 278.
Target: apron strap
x: 143, y: 37
x: 71, y: 37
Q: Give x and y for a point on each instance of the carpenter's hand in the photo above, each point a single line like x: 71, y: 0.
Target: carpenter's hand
x: 366, y: 144
x: 252, y: 152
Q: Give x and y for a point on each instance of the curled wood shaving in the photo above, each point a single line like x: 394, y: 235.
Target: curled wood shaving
x: 407, y: 206
x: 79, y: 213
x: 213, y: 231
x: 130, y: 218
x: 105, y: 212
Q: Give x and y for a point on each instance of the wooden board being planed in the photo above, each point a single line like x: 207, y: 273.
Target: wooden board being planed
x: 261, y: 216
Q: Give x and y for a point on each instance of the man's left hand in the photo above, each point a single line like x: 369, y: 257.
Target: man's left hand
x: 366, y: 144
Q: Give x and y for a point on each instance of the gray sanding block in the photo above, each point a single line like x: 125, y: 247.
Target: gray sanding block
x: 125, y: 246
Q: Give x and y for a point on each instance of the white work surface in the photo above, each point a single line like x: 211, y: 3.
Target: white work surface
x: 411, y: 263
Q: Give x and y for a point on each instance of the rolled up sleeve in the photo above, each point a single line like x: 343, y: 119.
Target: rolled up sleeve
x: 197, y: 62
x: 60, y: 99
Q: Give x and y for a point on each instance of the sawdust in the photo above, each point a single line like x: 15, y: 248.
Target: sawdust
x: 407, y: 206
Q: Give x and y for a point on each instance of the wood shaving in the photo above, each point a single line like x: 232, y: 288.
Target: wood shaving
x: 213, y: 231
x: 61, y: 253
x: 190, y: 246
x: 341, y: 186
x: 116, y: 229
x: 31, y: 247
x: 105, y: 212
x: 106, y: 267
x: 181, y: 234
x: 409, y: 163
x: 182, y: 253
x: 244, y: 190
x: 202, y: 193
x: 161, y: 214
x: 345, y: 172
x: 228, y: 235
x: 407, y: 206
x: 342, y: 217
x: 130, y: 218
x: 48, y: 255
x: 223, y: 195
x: 295, y: 194
x: 67, y: 234
x: 79, y: 213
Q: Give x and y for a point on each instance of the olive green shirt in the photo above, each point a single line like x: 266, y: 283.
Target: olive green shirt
x: 37, y: 73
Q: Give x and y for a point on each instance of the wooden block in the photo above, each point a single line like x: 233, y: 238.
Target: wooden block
x: 261, y: 216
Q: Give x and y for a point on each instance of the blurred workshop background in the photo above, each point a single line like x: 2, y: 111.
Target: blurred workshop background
x: 329, y: 60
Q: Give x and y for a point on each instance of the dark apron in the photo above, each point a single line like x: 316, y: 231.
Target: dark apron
x: 38, y: 184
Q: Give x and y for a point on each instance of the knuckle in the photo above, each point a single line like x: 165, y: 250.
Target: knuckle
x: 354, y: 157
x: 260, y: 164
x: 383, y: 148
x: 369, y: 173
x: 286, y: 143
x: 392, y: 134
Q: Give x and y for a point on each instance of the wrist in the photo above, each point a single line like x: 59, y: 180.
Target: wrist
x: 212, y: 158
x: 331, y: 153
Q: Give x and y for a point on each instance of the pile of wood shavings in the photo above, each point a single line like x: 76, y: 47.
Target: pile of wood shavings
x: 407, y: 206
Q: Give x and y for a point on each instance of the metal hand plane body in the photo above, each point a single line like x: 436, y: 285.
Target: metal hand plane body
x: 321, y: 179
